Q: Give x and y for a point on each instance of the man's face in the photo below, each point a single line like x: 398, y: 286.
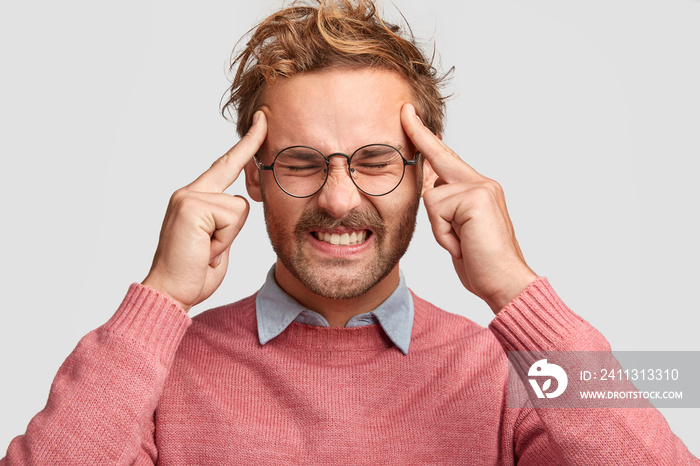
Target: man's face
x: 337, y: 111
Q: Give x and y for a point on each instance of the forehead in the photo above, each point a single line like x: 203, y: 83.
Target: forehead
x: 337, y: 109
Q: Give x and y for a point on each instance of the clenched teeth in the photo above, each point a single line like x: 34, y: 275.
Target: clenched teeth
x: 345, y: 239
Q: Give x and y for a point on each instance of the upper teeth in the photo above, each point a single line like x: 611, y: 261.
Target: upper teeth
x: 356, y: 237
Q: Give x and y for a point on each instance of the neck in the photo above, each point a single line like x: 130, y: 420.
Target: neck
x: 337, y: 311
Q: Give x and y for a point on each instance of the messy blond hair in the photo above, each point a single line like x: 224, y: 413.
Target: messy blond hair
x: 329, y: 34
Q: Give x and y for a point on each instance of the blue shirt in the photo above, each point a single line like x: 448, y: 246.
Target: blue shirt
x: 275, y: 310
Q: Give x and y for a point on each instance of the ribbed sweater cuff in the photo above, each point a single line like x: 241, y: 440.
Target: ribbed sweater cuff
x: 536, y: 320
x: 151, y: 319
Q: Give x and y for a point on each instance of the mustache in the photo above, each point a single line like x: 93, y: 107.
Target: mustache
x: 318, y: 219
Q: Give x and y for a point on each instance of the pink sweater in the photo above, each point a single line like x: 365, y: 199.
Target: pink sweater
x: 148, y: 387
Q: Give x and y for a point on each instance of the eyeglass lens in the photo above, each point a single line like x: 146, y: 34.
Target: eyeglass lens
x: 376, y: 169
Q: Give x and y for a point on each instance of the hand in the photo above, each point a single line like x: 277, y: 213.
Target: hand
x: 200, y: 224
x: 468, y: 215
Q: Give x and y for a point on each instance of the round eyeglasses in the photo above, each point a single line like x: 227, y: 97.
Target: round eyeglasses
x: 301, y: 171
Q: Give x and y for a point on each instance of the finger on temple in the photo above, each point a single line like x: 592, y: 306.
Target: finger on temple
x: 226, y: 169
x: 448, y: 166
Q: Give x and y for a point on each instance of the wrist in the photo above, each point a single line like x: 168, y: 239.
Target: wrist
x: 155, y: 285
x: 508, y: 293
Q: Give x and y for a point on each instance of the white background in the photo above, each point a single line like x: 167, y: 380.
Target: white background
x: 586, y: 112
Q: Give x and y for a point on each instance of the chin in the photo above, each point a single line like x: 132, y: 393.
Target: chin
x: 345, y: 286
x: 338, y: 279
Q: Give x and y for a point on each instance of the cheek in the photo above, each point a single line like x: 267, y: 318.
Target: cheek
x: 282, y: 212
x: 399, y: 205
x: 411, y: 187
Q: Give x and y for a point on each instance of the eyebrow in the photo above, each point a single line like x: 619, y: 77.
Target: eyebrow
x: 276, y: 150
x: 378, y: 149
x: 302, y: 153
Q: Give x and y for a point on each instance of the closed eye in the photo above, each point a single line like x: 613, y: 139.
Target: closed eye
x: 375, y: 165
x: 300, y: 168
x: 300, y: 160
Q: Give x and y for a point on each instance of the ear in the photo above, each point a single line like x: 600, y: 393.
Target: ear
x: 252, y: 181
x: 429, y: 175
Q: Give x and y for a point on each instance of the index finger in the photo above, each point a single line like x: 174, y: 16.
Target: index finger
x: 226, y: 169
x: 448, y: 166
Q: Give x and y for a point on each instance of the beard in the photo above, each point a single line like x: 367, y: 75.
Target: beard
x: 340, y: 278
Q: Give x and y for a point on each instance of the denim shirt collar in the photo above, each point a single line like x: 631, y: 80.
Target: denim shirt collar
x: 275, y: 310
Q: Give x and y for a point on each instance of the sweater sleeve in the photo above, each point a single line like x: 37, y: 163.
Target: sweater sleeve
x: 537, y: 320
x: 102, y: 400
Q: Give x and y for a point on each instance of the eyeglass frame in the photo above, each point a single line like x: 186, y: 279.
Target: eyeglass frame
x: 348, y: 159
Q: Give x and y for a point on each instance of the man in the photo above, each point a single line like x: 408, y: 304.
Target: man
x: 334, y: 360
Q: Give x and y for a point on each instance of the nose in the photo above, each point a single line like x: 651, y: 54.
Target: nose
x: 339, y: 195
